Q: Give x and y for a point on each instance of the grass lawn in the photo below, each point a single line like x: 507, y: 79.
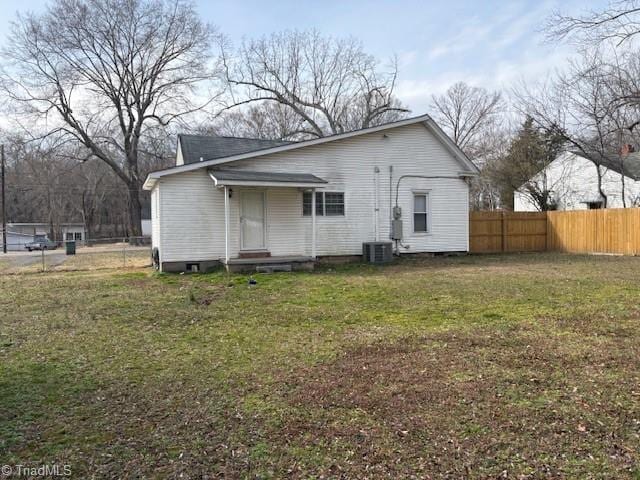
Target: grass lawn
x: 522, y: 366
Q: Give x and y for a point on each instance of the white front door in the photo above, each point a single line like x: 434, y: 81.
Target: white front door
x: 252, y: 220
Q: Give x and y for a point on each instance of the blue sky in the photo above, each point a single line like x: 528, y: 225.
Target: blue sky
x: 485, y: 43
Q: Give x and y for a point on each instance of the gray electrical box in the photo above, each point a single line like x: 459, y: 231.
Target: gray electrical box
x: 396, y: 229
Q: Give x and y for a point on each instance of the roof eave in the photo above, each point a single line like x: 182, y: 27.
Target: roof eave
x: 254, y: 183
x: 265, y: 183
x: 150, y: 182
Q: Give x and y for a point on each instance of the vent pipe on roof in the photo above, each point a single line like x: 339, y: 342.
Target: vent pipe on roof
x: 201, y: 159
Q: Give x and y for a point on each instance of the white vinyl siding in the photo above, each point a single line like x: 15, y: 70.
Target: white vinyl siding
x: 349, y: 166
x: 192, y: 208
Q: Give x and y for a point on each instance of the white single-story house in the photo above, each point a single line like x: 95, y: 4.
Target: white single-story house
x: 572, y: 181
x: 233, y: 201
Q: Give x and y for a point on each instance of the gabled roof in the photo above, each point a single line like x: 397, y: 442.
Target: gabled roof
x: 468, y: 168
x: 197, y: 147
x: 628, y: 165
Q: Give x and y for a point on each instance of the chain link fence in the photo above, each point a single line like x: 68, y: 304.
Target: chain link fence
x: 91, y: 254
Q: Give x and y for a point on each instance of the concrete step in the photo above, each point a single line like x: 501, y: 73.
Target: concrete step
x: 282, y: 267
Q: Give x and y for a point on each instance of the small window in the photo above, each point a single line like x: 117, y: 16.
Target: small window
x: 329, y: 204
x: 69, y: 236
x: 77, y: 236
x: 333, y: 204
x: 594, y: 205
x: 420, y: 212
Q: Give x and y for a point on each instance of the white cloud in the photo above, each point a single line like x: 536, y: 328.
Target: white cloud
x: 494, y: 52
x: 531, y: 66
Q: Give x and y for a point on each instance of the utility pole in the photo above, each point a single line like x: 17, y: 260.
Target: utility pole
x: 4, y: 203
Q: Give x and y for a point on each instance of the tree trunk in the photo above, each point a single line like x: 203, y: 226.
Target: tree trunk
x: 135, y: 215
x: 600, y: 190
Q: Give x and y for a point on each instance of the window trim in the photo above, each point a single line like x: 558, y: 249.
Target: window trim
x: 427, y: 195
x: 321, y: 204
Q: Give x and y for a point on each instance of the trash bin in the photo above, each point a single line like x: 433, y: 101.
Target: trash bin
x: 71, y: 247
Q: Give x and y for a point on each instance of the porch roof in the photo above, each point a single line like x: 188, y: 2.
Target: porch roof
x: 265, y: 179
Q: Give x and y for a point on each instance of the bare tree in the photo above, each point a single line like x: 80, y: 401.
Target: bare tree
x: 619, y: 22
x: 466, y: 112
x: 105, y: 71
x: 268, y: 120
x: 470, y: 115
x: 490, y: 147
x: 330, y: 84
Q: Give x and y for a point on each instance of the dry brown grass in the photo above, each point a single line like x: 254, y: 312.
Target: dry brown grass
x: 522, y: 366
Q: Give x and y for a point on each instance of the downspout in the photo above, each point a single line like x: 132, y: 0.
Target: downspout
x: 376, y: 203
x: 390, y: 195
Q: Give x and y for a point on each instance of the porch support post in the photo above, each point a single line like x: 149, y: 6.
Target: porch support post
x: 226, y: 224
x: 313, y: 223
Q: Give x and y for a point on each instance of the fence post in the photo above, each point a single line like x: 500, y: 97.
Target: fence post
x: 124, y: 254
x: 546, y: 231
x: 42, y: 252
x: 504, y: 232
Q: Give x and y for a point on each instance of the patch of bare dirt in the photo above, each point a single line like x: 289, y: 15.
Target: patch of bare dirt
x: 473, y: 405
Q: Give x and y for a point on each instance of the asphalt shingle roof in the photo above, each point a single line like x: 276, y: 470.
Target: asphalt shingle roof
x: 195, y: 147
x: 628, y: 165
x: 243, y: 175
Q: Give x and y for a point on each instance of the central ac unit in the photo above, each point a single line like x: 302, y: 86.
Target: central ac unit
x: 377, y: 252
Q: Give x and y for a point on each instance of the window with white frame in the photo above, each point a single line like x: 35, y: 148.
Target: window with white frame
x: 69, y: 236
x: 329, y: 204
x: 420, y: 212
x: 77, y: 236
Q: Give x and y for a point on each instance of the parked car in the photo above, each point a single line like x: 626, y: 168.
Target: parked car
x: 42, y: 243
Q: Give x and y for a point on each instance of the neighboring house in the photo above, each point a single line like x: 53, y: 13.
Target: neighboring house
x: 64, y: 231
x: 572, y: 181
x: 230, y: 200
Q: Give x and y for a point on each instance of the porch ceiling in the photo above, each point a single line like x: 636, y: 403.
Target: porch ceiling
x: 265, y: 179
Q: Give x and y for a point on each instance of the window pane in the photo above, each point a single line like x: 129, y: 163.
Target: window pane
x: 78, y: 235
x: 420, y: 222
x: 420, y: 203
x: 306, y: 203
x: 69, y: 236
x: 334, y: 203
x: 335, y: 210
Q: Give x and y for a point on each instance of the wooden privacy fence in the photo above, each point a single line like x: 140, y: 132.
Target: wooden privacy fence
x: 615, y: 231
x: 610, y: 230
x: 493, y: 232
